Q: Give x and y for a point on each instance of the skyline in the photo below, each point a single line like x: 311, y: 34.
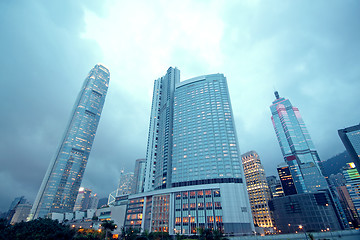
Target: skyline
x: 311, y: 59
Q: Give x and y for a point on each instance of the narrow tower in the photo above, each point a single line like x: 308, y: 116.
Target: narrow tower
x: 62, y: 180
x: 296, y: 146
x: 159, y: 146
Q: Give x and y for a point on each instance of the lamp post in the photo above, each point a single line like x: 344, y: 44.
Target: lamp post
x: 301, y: 228
x: 328, y: 229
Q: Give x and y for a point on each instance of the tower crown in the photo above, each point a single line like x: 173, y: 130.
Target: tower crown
x: 276, y: 94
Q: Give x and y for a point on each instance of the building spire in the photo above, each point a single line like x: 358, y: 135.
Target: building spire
x: 276, y: 94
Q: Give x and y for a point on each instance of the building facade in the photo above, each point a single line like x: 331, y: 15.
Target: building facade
x: 184, y: 210
x: 275, y: 187
x: 139, y: 175
x: 296, y: 146
x: 315, y: 212
x: 126, y: 186
x: 159, y: 146
x: 258, y: 189
x: 83, y: 199
x: 286, y: 180
x: 351, y: 139
x: 352, y: 178
x: 21, y: 213
x: 62, y: 180
x: 192, y: 143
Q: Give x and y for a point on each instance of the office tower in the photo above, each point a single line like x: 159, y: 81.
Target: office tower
x: 351, y: 139
x: 159, y: 146
x: 192, y: 157
x: 83, y: 199
x: 286, y: 180
x: 139, y: 175
x: 352, y: 178
x: 62, y: 180
x: 258, y: 190
x: 296, y: 146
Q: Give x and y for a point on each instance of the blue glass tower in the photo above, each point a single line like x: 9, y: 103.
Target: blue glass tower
x: 296, y: 146
x: 62, y: 180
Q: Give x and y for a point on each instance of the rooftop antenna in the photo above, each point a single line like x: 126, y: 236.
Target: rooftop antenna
x: 276, y: 94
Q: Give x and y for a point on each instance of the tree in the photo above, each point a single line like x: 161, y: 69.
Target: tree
x: 108, y: 226
x: 88, y: 234
x: 40, y: 229
x: 130, y: 233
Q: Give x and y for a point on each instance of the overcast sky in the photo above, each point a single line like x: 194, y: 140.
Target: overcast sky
x: 307, y: 50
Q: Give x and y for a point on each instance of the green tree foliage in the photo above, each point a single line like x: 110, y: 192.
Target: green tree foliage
x: 129, y: 233
x: 108, y: 226
x: 39, y: 229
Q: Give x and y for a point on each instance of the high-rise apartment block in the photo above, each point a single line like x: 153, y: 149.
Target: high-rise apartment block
x: 193, y: 177
x: 351, y: 138
x: 139, y: 175
x: 62, y: 180
x: 258, y: 190
x: 296, y: 146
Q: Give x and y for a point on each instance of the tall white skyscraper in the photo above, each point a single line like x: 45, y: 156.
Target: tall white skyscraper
x: 62, y: 180
x: 193, y: 156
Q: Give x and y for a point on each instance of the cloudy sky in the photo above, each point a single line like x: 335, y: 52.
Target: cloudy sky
x: 307, y: 50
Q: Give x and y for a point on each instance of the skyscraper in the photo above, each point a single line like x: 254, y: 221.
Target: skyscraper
x: 62, y: 180
x: 351, y: 138
x: 258, y: 189
x: 296, y: 146
x: 192, y: 157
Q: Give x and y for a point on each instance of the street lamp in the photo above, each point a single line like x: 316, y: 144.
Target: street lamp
x: 301, y: 228
x: 328, y: 229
